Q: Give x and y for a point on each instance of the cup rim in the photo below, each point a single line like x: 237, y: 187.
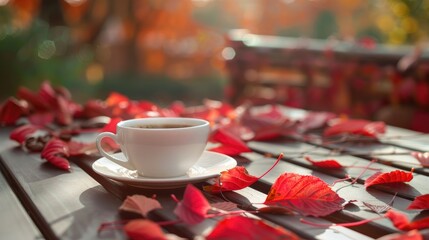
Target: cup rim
x: 198, y: 121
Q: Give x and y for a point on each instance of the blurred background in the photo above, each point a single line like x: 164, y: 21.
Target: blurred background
x: 361, y: 58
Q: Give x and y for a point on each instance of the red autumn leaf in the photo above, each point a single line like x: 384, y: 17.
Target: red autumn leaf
x: 139, y: 204
x: 194, y: 206
x: 144, y: 229
x: 21, y: 133
x: 390, y: 177
x: 48, y: 94
x: 356, y: 126
x: 330, y: 163
x: 178, y: 107
x: 232, y: 179
x: 11, y: 111
x: 411, y: 235
x: 111, y: 126
x: 401, y: 222
x: 64, y: 114
x: 41, y: 118
x: 33, y: 99
x: 95, y: 108
x: 223, y: 108
x: 422, y: 157
x: 115, y: 99
x: 230, y: 144
x: 240, y: 227
x: 55, y: 152
x: 308, y: 195
x: 420, y: 203
x: 266, y: 125
x: 315, y: 120
x: 236, y: 178
x: 82, y: 148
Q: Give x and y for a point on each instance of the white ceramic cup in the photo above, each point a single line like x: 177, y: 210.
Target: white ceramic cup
x: 155, y: 148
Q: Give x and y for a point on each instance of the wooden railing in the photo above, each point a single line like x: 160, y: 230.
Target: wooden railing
x: 360, y: 79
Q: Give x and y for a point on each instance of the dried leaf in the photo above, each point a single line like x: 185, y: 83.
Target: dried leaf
x: 329, y: 163
x: 308, y: 195
x: 401, y: 222
x: 422, y: 157
x: 240, y: 227
x: 55, y: 152
x: 144, y: 229
x: 390, y: 177
x: 194, y: 206
x: 420, y: 203
x: 139, y: 204
x: 377, y: 208
x: 356, y: 126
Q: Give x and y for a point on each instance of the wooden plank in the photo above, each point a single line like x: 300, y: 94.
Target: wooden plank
x: 15, y: 223
x: 63, y: 204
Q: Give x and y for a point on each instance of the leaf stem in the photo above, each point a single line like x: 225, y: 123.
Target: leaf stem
x: 271, y: 168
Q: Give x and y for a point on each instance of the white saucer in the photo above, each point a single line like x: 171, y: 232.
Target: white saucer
x: 208, y: 166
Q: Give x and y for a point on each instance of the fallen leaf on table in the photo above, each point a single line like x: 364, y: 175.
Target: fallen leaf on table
x: 55, y: 152
x: 21, y: 133
x: 401, y: 222
x: 193, y: 207
x: 12, y: 110
x: 329, y: 163
x: 305, y: 194
x: 240, y: 227
x: 420, y: 203
x: 230, y: 144
x: 232, y: 179
x: 390, y: 177
x: 144, y: 229
x: 357, y: 127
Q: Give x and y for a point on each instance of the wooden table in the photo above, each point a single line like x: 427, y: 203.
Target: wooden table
x: 40, y: 201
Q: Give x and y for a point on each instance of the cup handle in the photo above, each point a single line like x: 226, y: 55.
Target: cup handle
x: 125, y: 164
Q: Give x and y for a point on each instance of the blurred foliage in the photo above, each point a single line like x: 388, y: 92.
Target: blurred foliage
x: 169, y: 49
